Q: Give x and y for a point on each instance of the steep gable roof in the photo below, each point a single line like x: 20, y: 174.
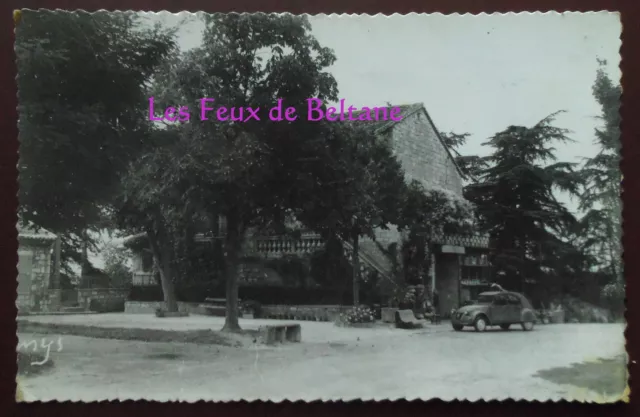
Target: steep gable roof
x: 406, y: 110
x: 31, y: 231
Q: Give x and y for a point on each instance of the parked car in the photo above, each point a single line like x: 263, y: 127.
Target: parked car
x: 495, y: 308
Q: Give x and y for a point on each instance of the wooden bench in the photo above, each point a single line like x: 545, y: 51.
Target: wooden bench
x: 280, y: 333
x: 405, y: 319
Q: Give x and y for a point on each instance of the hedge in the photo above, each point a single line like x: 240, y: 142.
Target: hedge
x: 261, y: 294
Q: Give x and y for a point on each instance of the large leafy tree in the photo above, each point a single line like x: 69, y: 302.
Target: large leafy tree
x: 81, y: 81
x: 517, y: 206
x: 359, y: 189
x: 428, y: 213
x: 151, y: 201
x: 246, y: 172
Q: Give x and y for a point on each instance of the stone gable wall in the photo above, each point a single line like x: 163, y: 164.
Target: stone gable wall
x: 422, y: 155
x: 423, y: 158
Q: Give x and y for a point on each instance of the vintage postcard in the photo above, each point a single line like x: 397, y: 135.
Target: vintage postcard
x: 228, y: 207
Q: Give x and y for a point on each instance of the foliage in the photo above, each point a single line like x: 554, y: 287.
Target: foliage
x: 470, y: 165
x: 253, y: 172
x: 408, y: 296
x: 601, y: 192
x: 357, y: 315
x: 264, y: 294
x: 107, y: 306
x: 427, y: 214
x: 359, y: 190
x: 116, y: 266
x: 81, y: 81
x: 517, y: 207
x: 293, y: 270
x: 434, y: 211
x: 329, y: 267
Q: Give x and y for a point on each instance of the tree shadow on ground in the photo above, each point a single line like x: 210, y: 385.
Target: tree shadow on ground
x: 605, y: 376
x: 207, y: 337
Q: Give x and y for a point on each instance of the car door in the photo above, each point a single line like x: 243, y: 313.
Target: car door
x: 514, y: 309
x: 499, y: 310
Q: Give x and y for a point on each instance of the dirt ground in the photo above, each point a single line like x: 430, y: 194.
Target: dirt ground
x: 331, y: 363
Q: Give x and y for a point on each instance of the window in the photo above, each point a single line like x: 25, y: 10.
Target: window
x: 513, y: 300
x: 500, y: 300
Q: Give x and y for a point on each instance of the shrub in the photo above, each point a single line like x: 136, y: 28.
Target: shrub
x: 253, y: 307
x: 263, y: 294
x: 357, y: 315
x: 107, y: 306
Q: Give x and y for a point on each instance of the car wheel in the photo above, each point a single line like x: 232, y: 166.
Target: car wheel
x: 480, y: 324
x: 527, y: 326
x: 457, y: 327
x: 505, y: 326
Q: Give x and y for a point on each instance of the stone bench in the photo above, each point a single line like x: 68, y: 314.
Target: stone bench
x: 280, y: 333
x: 405, y: 319
x: 216, y: 307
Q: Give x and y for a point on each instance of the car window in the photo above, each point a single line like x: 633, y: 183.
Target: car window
x: 513, y: 300
x: 499, y: 300
x: 485, y: 299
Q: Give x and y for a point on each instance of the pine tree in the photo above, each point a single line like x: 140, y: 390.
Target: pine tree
x: 516, y: 204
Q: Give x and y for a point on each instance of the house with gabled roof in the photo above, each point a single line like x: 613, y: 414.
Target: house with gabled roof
x: 459, y: 263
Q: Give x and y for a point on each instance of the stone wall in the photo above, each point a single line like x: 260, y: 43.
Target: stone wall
x: 150, y: 307
x: 102, y: 296
x: 40, y: 298
x: 300, y: 312
x: 423, y: 156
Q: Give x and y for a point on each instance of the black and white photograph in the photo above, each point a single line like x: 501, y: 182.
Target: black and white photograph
x: 241, y: 207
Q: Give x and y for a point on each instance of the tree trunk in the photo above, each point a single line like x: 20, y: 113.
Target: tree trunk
x: 162, y: 260
x: 233, y: 243
x: 356, y: 268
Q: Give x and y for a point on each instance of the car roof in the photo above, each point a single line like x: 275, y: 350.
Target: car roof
x: 517, y: 294
x: 490, y: 293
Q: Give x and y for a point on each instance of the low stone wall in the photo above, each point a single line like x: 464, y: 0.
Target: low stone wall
x: 388, y: 314
x: 150, y: 307
x: 101, y: 296
x: 311, y: 313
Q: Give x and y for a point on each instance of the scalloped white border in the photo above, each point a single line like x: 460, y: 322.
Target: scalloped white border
x: 575, y: 394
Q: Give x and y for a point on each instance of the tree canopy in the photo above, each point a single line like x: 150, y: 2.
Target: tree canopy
x: 248, y: 173
x: 81, y: 87
x: 601, y: 225
x: 517, y: 206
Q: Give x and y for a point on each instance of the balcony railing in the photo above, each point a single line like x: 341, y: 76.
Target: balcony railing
x: 275, y: 246
x: 143, y: 278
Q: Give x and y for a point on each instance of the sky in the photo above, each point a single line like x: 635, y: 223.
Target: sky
x: 476, y: 74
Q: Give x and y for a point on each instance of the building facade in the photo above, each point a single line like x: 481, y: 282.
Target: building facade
x: 459, y: 263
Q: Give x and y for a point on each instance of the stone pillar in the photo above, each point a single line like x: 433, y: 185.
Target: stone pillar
x: 432, y: 272
x: 55, y: 274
